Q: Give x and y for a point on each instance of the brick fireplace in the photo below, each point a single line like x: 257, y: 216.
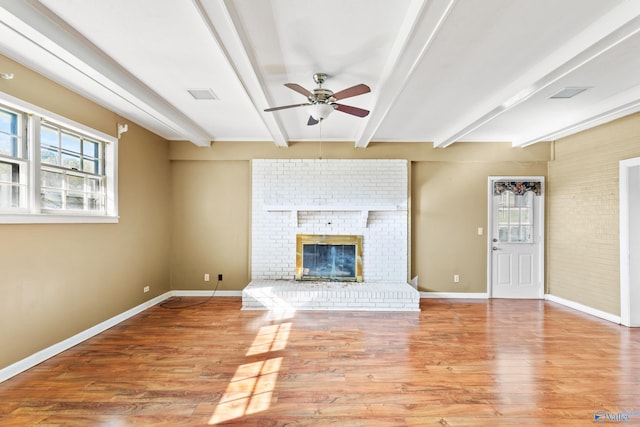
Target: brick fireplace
x: 313, y: 197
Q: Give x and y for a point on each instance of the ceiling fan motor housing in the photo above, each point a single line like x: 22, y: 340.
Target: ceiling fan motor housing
x: 322, y: 99
x: 322, y: 96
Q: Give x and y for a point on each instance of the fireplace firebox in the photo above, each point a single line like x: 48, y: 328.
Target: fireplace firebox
x: 329, y: 257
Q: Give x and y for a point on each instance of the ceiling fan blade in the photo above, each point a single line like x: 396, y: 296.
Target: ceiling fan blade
x: 352, y: 91
x: 284, y: 107
x: 312, y: 121
x: 299, y: 89
x: 355, y: 111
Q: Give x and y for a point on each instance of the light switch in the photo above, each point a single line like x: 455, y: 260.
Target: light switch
x: 480, y: 231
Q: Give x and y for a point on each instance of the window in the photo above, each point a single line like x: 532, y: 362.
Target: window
x: 515, y: 217
x: 72, y: 171
x: 13, y: 165
x: 53, y: 169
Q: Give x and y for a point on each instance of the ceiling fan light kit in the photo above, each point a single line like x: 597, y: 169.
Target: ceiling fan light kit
x: 322, y: 101
x: 320, y: 111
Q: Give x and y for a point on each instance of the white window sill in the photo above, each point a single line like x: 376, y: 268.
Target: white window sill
x: 57, y: 219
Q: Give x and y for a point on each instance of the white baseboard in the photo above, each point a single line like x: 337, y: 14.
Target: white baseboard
x: 457, y: 295
x: 42, y: 355
x: 583, y: 308
x: 206, y: 293
x: 571, y: 304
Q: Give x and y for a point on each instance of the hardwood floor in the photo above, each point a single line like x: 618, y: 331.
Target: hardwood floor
x: 458, y: 362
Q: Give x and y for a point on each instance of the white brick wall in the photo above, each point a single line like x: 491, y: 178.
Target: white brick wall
x: 328, y: 196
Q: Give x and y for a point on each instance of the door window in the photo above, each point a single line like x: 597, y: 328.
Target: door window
x: 515, y: 217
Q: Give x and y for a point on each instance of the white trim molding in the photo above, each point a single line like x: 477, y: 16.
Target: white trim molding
x: 455, y: 295
x: 629, y: 241
x: 583, y: 308
x: 210, y: 293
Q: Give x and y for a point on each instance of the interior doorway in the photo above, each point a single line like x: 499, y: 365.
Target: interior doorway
x: 630, y: 242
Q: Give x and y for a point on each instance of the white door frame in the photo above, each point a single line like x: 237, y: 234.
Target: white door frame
x: 629, y: 241
x: 490, y: 231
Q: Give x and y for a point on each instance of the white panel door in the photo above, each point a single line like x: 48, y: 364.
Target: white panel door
x: 516, y: 242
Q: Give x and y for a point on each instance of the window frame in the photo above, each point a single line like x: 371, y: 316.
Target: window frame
x: 34, y: 116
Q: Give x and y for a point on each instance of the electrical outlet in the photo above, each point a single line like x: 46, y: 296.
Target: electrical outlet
x: 145, y: 289
x: 206, y: 277
x: 220, y: 277
x: 456, y: 278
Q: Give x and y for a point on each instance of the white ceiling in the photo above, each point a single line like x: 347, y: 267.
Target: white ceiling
x: 440, y: 71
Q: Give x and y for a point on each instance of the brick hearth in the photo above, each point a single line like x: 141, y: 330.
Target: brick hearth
x: 297, y: 295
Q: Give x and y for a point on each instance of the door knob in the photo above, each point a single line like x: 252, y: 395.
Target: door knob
x: 495, y: 248
x: 495, y: 240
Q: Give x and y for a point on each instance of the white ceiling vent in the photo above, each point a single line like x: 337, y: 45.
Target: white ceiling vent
x: 203, y: 94
x: 568, y: 92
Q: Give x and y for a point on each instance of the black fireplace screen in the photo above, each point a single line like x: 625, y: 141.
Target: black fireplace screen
x: 336, y: 262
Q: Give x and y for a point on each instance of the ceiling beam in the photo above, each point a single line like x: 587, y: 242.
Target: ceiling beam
x: 616, y: 26
x: 625, y: 103
x: 55, y: 40
x: 225, y: 30
x: 422, y: 22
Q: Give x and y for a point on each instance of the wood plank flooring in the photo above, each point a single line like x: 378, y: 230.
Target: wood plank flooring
x: 456, y: 363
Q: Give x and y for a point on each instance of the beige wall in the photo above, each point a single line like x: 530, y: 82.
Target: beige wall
x: 58, y: 280
x: 212, y: 192
x: 211, y: 224
x: 449, y: 203
x: 583, y: 245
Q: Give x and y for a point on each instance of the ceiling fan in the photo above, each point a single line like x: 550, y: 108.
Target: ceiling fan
x: 322, y: 101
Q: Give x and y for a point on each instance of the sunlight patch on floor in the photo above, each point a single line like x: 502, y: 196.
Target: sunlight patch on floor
x: 250, y: 390
x: 270, y: 338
